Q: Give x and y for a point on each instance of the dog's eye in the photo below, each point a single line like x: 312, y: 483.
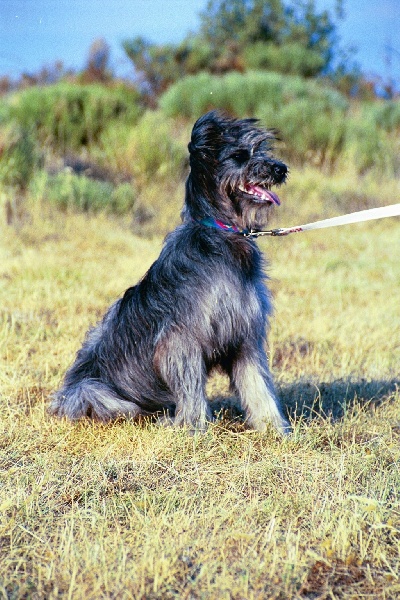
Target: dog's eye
x: 240, y: 155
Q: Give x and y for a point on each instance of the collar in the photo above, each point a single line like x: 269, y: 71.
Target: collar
x: 216, y: 224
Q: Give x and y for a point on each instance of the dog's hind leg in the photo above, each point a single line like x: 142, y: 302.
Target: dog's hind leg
x: 180, y: 366
x: 251, y: 379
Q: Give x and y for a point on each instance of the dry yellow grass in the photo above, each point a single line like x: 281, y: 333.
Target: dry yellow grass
x: 136, y: 511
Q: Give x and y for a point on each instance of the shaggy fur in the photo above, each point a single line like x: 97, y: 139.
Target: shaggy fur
x: 202, y: 305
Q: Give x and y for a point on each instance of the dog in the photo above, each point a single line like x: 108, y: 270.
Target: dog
x: 202, y: 305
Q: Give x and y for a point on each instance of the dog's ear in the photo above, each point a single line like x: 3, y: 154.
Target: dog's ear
x: 207, y: 137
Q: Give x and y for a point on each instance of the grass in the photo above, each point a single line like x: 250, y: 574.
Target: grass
x: 136, y: 511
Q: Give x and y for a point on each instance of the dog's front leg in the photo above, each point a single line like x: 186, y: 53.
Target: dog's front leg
x: 179, y: 363
x: 252, y: 380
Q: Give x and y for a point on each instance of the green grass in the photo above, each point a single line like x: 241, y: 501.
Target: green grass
x: 138, y: 511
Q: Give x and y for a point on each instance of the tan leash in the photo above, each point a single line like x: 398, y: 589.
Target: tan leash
x: 357, y: 217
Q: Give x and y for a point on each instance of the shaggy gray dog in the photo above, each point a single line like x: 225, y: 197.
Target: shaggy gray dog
x: 202, y: 305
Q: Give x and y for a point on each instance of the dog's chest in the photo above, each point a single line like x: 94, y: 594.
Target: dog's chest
x: 232, y: 309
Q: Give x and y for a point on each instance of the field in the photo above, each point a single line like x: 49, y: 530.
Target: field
x: 137, y: 511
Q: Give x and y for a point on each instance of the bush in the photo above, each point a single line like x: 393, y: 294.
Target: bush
x: 309, y: 116
x: 68, y: 116
x: 243, y: 94
x: 149, y: 151
x: 317, y: 124
x: 66, y: 191
x: 155, y: 149
x: 18, y: 156
x: 4, y: 112
x: 290, y: 58
x: 123, y: 198
x: 368, y: 147
x: 386, y: 114
x: 312, y: 132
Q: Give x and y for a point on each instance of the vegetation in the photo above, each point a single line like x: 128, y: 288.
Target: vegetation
x: 92, y: 176
x: 237, y: 35
x: 19, y: 156
x: 67, y: 191
x: 315, y: 121
x: 104, y: 141
x: 69, y: 116
x: 137, y: 511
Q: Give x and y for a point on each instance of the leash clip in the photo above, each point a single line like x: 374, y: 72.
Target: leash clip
x: 271, y: 232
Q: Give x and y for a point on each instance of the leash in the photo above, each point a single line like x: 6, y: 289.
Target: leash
x: 357, y: 217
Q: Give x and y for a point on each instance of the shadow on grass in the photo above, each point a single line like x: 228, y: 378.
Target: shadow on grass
x: 333, y: 399
x: 314, y: 400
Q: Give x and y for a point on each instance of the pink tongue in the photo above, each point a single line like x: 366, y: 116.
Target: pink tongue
x: 264, y: 194
x: 274, y: 197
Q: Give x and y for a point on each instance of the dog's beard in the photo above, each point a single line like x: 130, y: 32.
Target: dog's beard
x: 252, y: 200
x: 253, y: 216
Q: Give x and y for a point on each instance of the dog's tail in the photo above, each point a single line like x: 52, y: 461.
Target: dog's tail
x: 91, y: 398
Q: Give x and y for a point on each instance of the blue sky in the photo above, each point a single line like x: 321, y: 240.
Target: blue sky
x: 34, y: 33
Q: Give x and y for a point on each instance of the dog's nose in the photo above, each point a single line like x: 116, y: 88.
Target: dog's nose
x: 280, y: 171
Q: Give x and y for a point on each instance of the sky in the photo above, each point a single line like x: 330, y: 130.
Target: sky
x: 35, y: 33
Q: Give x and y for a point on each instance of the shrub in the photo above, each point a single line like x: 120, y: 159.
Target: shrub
x: 155, y: 148
x: 4, y: 112
x: 309, y: 115
x: 243, y: 94
x: 290, y: 58
x: 149, y: 151
x: 367, y: 147
x: 66, y: 191
x: 386, y: 114
x: 123, y: 198
x: 312, y: 132
x: 68, y: 116
x: 18, y: 156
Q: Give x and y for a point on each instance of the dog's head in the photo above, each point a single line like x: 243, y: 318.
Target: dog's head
x: 232, y: 171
